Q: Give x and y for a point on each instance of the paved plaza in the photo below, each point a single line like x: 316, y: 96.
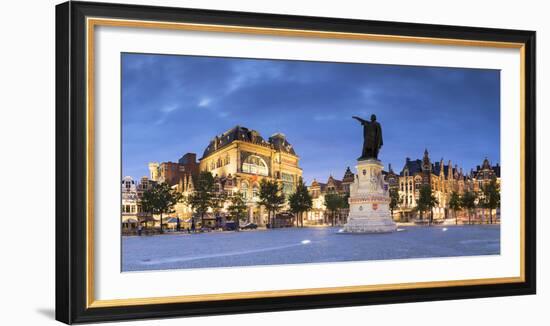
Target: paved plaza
x: 304, y: 245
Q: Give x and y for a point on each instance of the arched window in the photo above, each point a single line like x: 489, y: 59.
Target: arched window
x: 255, y: 191
x: 244, y: 189
x: 255, y: 165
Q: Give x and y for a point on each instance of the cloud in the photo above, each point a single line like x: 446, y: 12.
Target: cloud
x: 204, y: 102
x: 312, y: 103
x: 169, y: 108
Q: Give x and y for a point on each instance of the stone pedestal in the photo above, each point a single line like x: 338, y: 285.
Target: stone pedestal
x: 369, y: 200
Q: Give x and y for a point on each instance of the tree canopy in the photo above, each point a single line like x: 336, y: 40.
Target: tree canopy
x: 160, y: 199
x: 426, y: 201
x: 333, y: 202
x: 394, y: 199
x: 271, y: 197
x: 469, y: 202
x: 237, y: 208
x: 455, y: 203
x: 300, y: 201
x: 491, y: 197
x: 203, y: 196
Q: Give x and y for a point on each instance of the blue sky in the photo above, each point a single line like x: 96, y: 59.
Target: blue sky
x: 175, y: 104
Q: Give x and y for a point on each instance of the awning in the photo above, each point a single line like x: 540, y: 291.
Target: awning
x: 173, y: 220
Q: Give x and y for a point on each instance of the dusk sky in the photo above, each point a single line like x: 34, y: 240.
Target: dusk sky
x: 172, y: 105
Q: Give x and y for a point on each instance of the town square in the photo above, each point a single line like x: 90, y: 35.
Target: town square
x: 251, y: 198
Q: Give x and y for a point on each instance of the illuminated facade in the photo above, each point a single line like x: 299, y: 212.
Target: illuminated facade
x: 442, y: 179
x: 240, y: 158
x: 318, y: 191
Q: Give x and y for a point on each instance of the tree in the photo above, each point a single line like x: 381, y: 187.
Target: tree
x: 426, y: 201
x: 491, y: 197
x: 455, y: 203
x: 469, y: 203
x: 160, y: 199
x: 218, y: 200
x: 300, y: 202
x: 333, y: 202
x: 237, y: 208
x: 202, y: 198
x: 271, y: 197
x: 345, y: 204
x: 394, y: 200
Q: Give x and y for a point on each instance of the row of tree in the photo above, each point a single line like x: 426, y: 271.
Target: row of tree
x: 487, y: 198
x: 161, y: 199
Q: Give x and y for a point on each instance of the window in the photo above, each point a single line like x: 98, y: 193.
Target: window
x: 288, y: 183
x: 255, y: 165
x: 244, y: 189
x: 255, y: 191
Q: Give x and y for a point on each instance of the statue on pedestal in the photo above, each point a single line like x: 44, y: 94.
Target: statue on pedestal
x: 369, y: 194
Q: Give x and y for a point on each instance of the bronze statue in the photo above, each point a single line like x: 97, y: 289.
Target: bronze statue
x: 372, y: 137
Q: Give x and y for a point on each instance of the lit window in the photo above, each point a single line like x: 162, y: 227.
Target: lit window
x: 255, y: 165
x: 244, y: 189
x: 255, y: 191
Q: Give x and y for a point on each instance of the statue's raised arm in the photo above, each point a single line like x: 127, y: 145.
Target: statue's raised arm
x: 359, y: 119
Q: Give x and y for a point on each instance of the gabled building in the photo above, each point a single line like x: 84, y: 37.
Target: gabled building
x: 318, y: 191
x: 442, y: 178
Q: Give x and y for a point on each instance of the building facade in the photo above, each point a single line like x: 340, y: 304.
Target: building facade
x: 129, y: 204
x: 174, y: 172
x: 318, y: 190
x: 443, y: 179
x: 240, y: 158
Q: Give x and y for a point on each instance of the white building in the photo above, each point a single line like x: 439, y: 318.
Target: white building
x: 129, y: 208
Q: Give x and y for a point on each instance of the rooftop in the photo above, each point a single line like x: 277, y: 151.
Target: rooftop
x: 277, y: 141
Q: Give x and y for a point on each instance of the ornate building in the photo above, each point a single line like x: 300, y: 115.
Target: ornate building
x: 318, y: 191
x: 240, y: 158
x: 442, y: 178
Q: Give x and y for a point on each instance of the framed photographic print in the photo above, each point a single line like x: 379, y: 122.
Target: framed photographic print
x: 213, y: 162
